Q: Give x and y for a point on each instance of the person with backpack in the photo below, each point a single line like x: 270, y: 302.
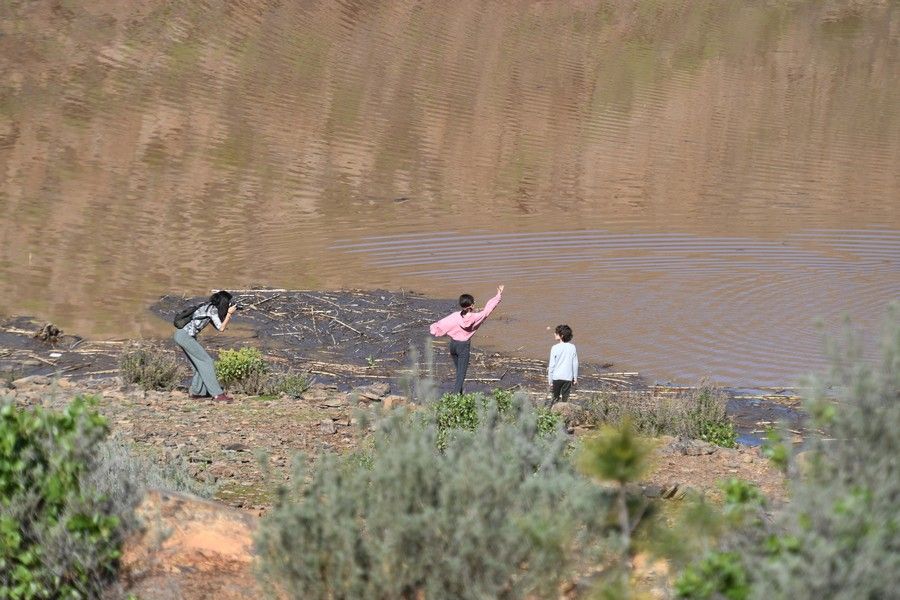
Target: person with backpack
x: 189, y: 323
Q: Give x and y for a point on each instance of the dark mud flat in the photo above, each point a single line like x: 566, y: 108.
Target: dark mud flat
x: 351, y: 338
x: 23, y: 354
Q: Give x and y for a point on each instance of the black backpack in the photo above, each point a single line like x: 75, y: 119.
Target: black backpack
x: 186, y: 316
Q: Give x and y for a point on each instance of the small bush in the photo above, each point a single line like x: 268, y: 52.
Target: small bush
x: 548, y: 422
x: 151, y: 368
x: 60, y: 537
x: 839, y: 537
x: 464, y: 411
x: 498, y: 513
x: 697, y: 414
x: 123, y: 475
x: 291, y: 384
x: 718, y: 575
x: 243, y: 371
x: 67, y: 499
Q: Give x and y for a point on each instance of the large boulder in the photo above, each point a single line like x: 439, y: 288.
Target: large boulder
x: 190, y: 548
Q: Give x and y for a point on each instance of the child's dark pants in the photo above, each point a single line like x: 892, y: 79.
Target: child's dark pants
x: 459, y: 352
x: 561, y: 389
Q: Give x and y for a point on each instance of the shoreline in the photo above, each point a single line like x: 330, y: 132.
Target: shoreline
x: 351, y: 338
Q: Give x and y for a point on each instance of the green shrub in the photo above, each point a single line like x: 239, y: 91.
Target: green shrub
x: 151, y: 368
x: 548, y: 422
x: 717, y: 575
x: 60, y: 538
x: 465, y: 411
x: 498, y: 513
x: 291, y: 384
x: 698, y: 413
x: 67, y: 499
x: 243, y: 371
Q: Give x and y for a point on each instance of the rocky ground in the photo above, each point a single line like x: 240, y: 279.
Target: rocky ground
x: 246, y: 448
x: 191, y: 548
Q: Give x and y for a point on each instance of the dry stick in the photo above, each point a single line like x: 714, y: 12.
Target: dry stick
x: 45, y: 361
x: 323, y: 300
x: 324, y: 373
x: 256, y: 305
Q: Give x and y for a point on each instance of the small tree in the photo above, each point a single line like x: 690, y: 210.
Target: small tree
x: 617, y: 455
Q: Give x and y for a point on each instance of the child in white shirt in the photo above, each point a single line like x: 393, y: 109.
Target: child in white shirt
x: 562, y: 372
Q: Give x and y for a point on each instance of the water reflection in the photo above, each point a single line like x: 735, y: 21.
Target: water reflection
x: 688, y: 182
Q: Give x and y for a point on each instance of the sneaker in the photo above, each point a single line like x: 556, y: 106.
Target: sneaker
x: 224, y: 398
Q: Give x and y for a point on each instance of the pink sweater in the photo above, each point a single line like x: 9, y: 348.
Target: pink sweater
x: 460, y: 327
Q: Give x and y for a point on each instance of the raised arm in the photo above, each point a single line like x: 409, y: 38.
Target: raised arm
x: 475, y: 319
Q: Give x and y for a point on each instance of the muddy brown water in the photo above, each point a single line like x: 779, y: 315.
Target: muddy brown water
x: 688, y: 184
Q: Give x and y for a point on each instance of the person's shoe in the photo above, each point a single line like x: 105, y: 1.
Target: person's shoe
x: 224, y: 398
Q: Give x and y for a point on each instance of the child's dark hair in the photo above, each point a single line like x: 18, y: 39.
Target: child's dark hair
x: 564, y: 332
x: 465, y: 303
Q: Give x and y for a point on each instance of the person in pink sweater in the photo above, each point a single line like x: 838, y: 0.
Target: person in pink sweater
x: 460, y: 326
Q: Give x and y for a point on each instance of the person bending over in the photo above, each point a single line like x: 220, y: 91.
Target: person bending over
x: 218, y: 311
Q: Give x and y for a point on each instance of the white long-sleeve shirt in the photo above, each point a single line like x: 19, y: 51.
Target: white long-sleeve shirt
x: 563, y: 362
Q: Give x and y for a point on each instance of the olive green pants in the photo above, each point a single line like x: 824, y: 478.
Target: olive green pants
x: 204, y: 381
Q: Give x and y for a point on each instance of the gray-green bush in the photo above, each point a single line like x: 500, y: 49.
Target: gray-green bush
x: 498, y: 513
x: 839, y: 537
x: 697, y: 413
x: 151, y: 368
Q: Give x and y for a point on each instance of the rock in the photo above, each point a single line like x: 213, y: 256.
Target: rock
x: 31, y: 380
x: 328, y: 427
x: 48, y: 333
x: 375, y: 391
x: 652, y: 491
x: 338, y: 401
x: 690, y: 448
x: 316, y: 394
x: 190, y: 548
x: 237, y: 447
x: 571, y: 413
x: 65, y: 383
x: 221, y: 470
x: 669, y: 491
x: 393, y: 401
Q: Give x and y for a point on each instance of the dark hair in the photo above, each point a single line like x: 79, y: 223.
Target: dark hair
x: 465, y: 303
x: 564, y: 332
x: 221, y: 300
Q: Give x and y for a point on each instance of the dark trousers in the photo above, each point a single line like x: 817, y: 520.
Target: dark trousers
x: 459, y: 352
x: 561, y: 389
